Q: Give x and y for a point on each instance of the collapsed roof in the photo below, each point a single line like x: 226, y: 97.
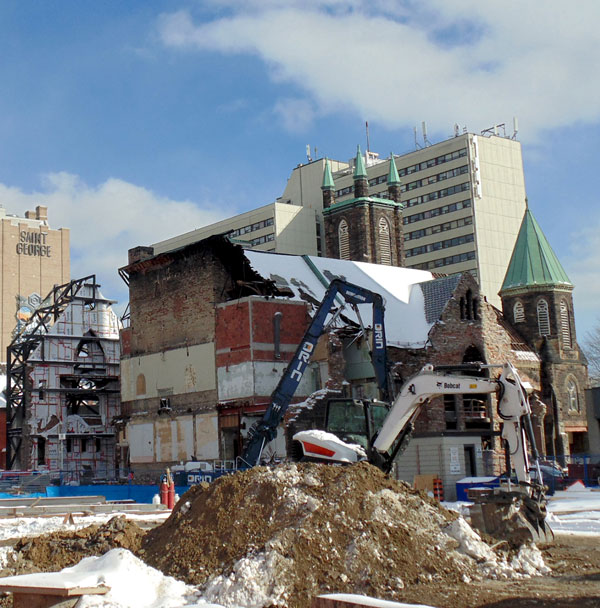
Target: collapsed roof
x: 413, y: 299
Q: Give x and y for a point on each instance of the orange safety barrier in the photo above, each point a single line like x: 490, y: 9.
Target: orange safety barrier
x: 438, y: 489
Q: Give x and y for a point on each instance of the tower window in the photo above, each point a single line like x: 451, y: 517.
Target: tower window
x: 543, y: 318
x: 344, y: 240
x: 519, y: 312
x: 565, y: 324
x: 385, y: 243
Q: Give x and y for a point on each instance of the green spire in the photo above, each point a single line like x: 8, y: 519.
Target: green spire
x: 533, y: 263
x: 393, y: 177
x: 359, y: 165
x: 328, y: 183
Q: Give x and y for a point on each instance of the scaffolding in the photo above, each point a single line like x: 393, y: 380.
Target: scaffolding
x: 63, y: 386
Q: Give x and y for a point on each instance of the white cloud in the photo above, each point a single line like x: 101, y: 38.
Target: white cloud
x: 295, y: 114
x: 107, y: 220
x: 465, y: 61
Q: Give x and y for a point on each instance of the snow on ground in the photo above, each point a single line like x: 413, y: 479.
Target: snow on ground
x: 569, y: 511
x: 20, y: 527
x: 117, y: 570
x: 129, y: 578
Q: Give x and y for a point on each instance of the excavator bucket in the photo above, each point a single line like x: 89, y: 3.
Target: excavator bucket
x: 512, y: 516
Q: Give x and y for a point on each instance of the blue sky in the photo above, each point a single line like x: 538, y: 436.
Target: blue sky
x: 136, y: 121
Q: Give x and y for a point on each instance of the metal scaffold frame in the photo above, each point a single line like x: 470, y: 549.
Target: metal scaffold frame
x: 19, y: 351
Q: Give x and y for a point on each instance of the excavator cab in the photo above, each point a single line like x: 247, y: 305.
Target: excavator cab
x: 355, y: 420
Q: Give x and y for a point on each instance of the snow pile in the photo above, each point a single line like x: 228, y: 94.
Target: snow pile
x: 116, y: 570
x: 528, y: 562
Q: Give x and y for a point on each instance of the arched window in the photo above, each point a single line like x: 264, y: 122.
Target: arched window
x: 518, y: 312
x: 385, y: 242
x: 572, y: 395
x: 140, y: 385
x: 543, y: 318
x: 565, y: 324
x: 344, y: 240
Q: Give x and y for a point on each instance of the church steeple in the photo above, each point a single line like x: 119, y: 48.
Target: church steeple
x: 533, y: 262
x: 361, y: 184
x: 393, y: 181
x: 328, y: 186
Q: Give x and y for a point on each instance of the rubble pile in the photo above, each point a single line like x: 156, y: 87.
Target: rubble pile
x: 279, y: 536
x: 52, y: 552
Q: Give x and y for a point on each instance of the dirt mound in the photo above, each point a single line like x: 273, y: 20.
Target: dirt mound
x: 52, y: 552
x: 279, y: 536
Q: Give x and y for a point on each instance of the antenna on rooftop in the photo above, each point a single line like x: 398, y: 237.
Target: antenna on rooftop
x: 367, y: 129
x: 515, y: 127
x: 426, y: 142
x: 308, y: 157
x: 418, y: 146
x: 456, y: 129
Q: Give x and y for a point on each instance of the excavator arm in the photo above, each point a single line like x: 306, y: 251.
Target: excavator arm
x: 266, y: 429
x: 513, y: 408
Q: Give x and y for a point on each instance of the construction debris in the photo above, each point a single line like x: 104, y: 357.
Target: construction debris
x: 280, y: 536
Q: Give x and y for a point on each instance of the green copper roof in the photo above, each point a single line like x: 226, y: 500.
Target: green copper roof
x: 328, y: 183
x: 393, y: 177
x: 359, y: 165
x: 533, y: 262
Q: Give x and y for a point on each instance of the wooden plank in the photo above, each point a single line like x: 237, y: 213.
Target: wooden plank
x: 53, y: 590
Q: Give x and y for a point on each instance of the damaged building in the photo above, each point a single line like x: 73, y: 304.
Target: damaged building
x: 63, y: 386
x: 212, y: 327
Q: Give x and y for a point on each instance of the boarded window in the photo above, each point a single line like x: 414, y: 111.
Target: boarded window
x: 565, y: 324
x: 344, y: 240
x: 543, y: 318
x: 140, y: 385
x: 519, y: 312
x: 385, y: 242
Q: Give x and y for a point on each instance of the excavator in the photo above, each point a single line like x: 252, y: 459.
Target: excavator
x: 265, y: 430
x: 359, y: 429
x: 351, y: 436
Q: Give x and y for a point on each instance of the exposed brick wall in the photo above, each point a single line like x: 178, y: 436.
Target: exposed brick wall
x: 172, y: 301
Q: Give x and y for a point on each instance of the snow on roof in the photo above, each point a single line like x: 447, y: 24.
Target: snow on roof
x: 308, y: 277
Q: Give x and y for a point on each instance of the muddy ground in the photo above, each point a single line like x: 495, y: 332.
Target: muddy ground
x: 573, y: 583
x: 310, y: 529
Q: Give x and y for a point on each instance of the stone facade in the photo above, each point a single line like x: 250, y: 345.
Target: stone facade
x: 365, y: 239
x: 564, y: 367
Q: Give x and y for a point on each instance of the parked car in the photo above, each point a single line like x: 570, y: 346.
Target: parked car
x: 552, y: 476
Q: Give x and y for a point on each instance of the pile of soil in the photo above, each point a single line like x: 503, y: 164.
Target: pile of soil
x: 291, y: 532
x: 53, y: 552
